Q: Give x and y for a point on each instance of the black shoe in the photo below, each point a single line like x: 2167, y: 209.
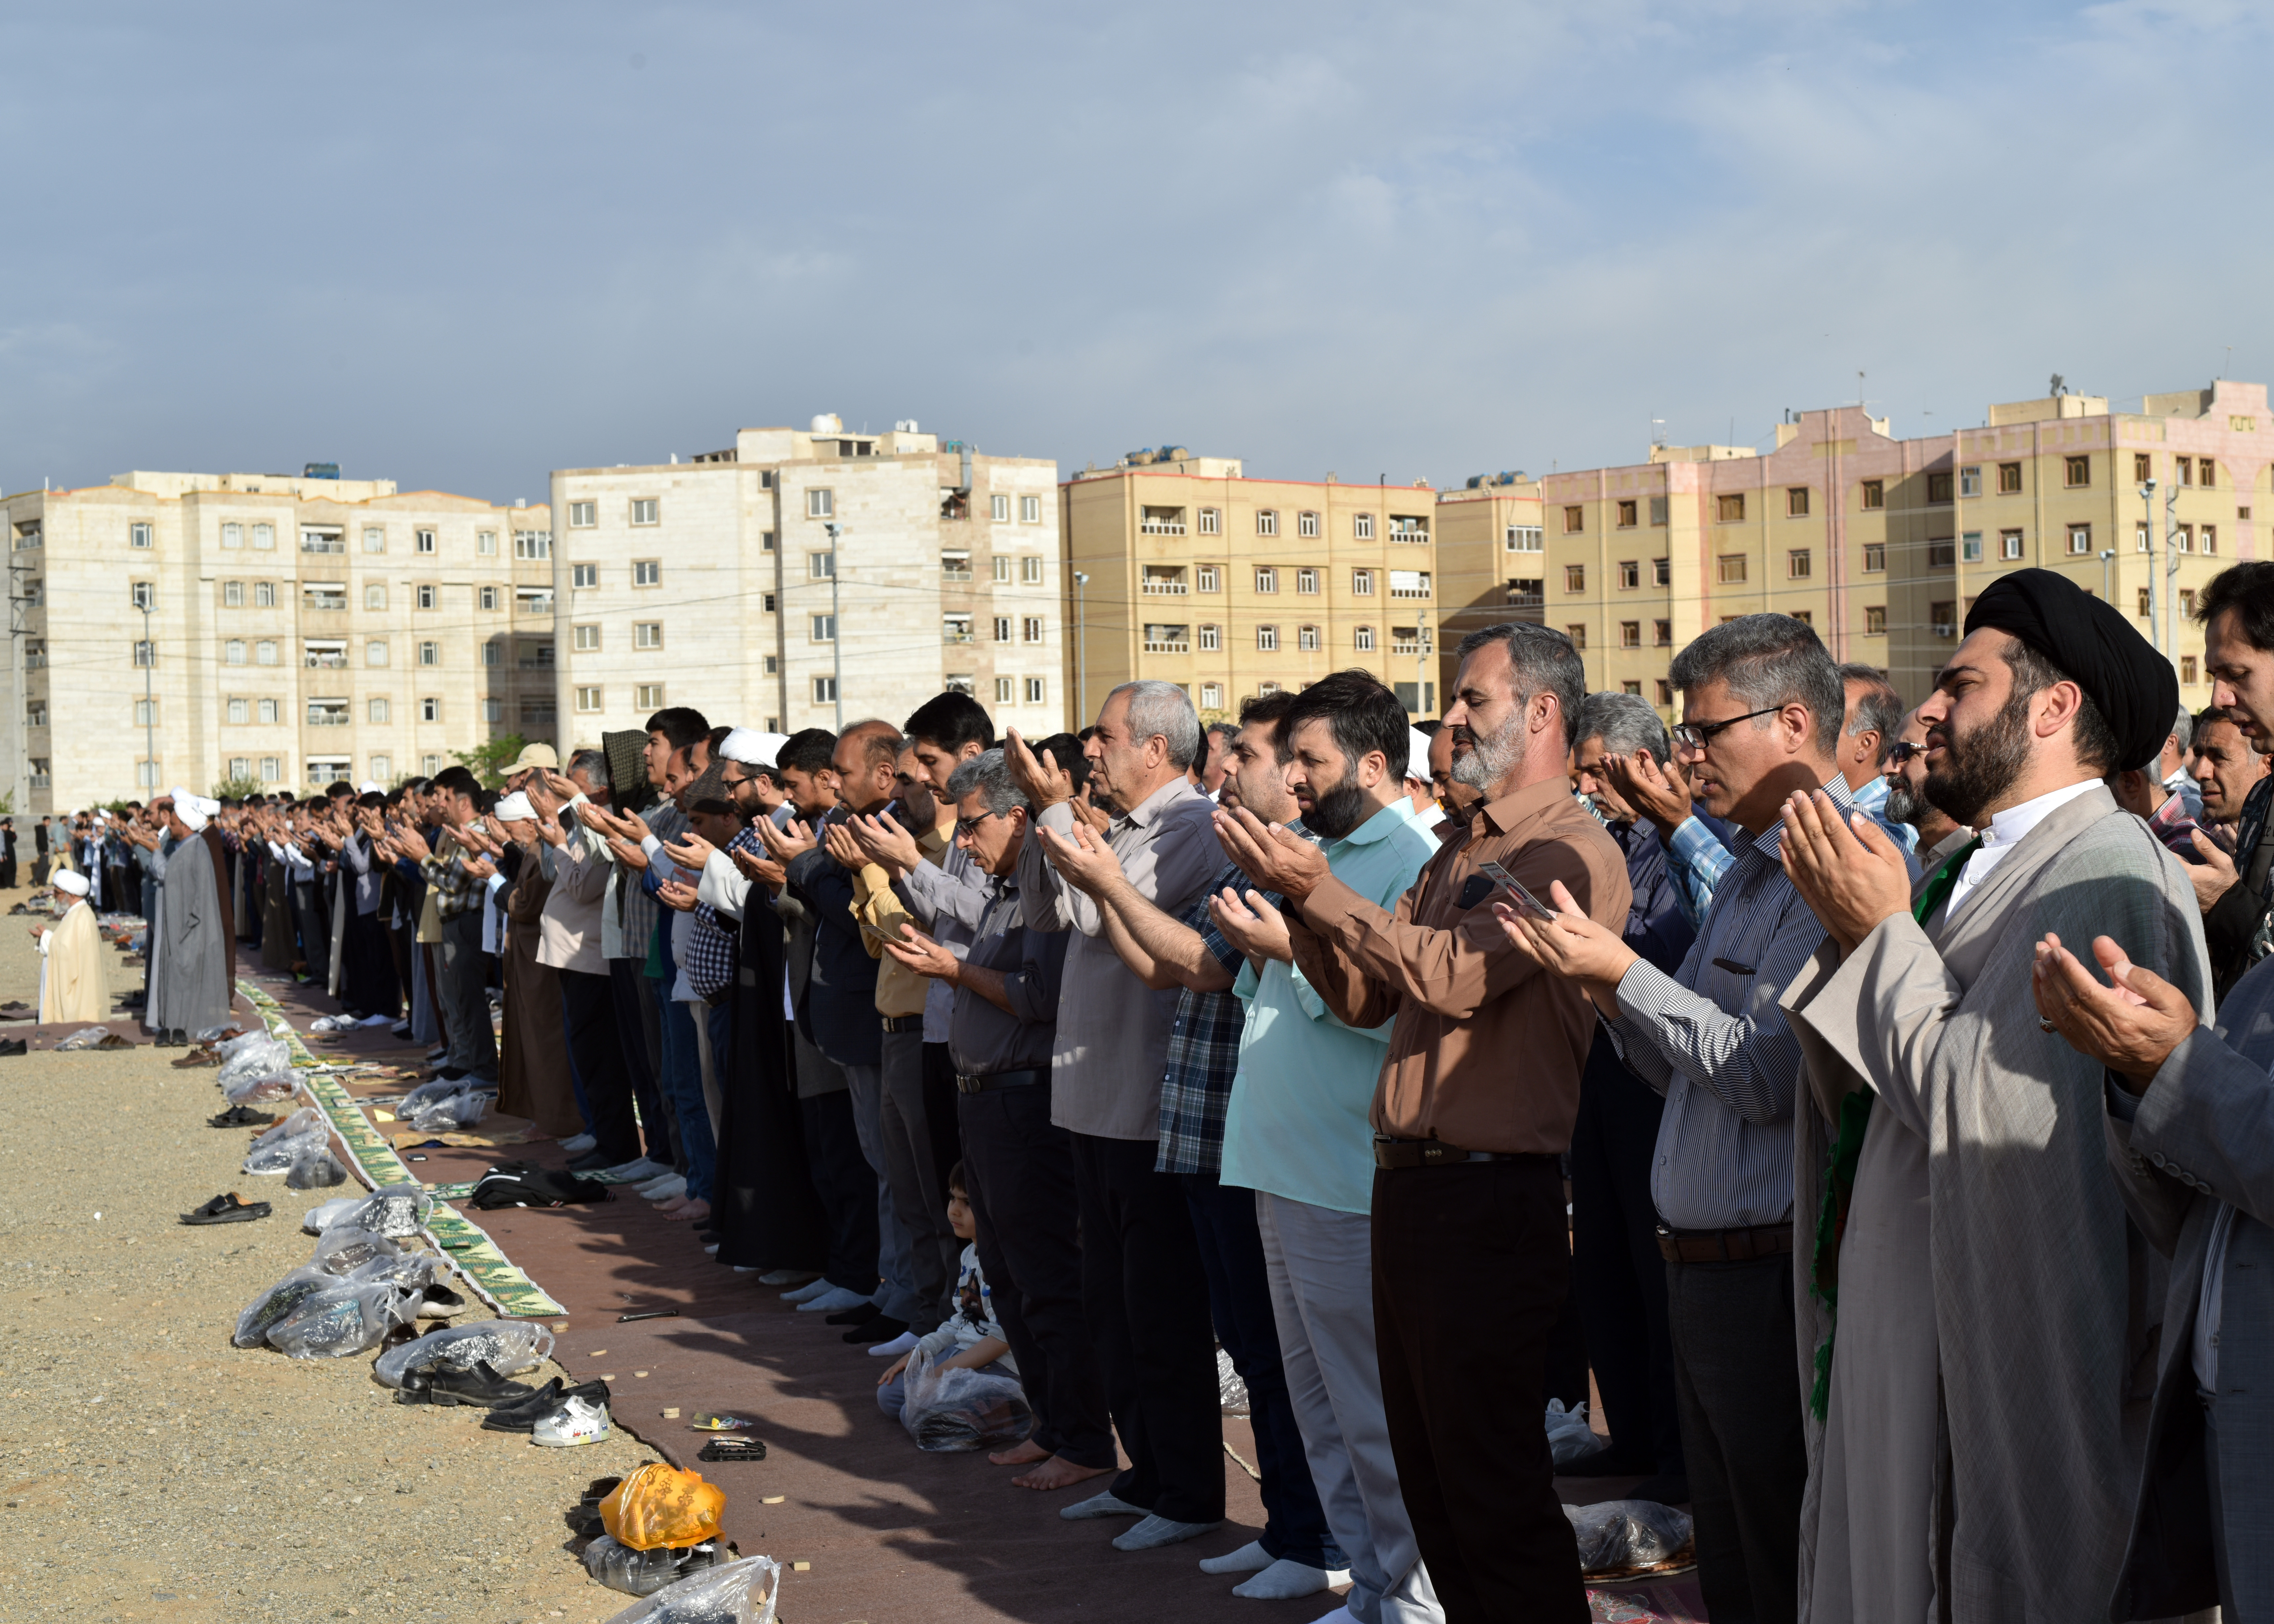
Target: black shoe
x: 883, y: 1328
x: 480, y: 1388
x: 860, y: 1313
x: 241, y: 1116
x: 1669, y: 1489
x: 593, y: 1161
x: 13, y: 1046
x: 228, y: 1209
x: 549, y: 1395
x: 524, y: 1416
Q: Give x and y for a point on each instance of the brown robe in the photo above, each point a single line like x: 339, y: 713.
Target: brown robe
x: 533, y: 1078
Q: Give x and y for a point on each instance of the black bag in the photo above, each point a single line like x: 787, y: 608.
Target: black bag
x: 524, y: 1184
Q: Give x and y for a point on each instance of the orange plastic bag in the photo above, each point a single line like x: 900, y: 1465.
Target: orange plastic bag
x: 659, y: 1506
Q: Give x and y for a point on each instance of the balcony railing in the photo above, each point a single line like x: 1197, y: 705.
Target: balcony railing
x: 955, y: 572
x: 323, y: 600
x: 329, y: 718
x: 327, y: 662
x: 538, y: 604
x: 1162, y: 586
x: 1407, y: 645
x: 1162, y: 527
x: 323, y: 544
x: 1182, y: 646
x: 1409, y: 591
x: 1418, y: 534
x: 1526, y: 601
x: 958, y: 635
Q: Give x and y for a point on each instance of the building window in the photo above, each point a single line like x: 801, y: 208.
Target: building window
x: 1729, y: 509
x: 374, y: 595
x: 233, y: 652
x: 2188, y: 602
x: 1362, y: 640
x: 534, y: 544
x: 1631, y: 634
x: 2009, y: 478
x: 1002, y: 571
x: 2210, y: 538
x: 268, y: 713
x: 1361, y: 584
x: 2080, y: 539
x: 1575, y: 519
x: 1799, y: 564
x: 1631, y: 687
x: 1211, y: 637
x: 1875, y: 621
x: 1307, y: 639
x: 486, y: 542
x: 272, y: 769
x: 490, y: 653
x: 379, y: 710
x: 1211, y: 697
x: 2206, y: 475
x: 1266, y: 578
x: 1306, y: 524
x: 644, y: 512
x: 1267, y: 522
x: 583, y: 575
x: 429, y: 653
x: 1875, y: 557
x: 137, y: 533
x: 1004, y: 687
x: 1205, y: 578
x: 1036, y: 690
x: 240, y: 711
x: 240, y: 768
x: 374, y: 538
x: 2077, y: 471
x: 1969, y: 547
x: 647, y: 633
x: 1627, y: 515
x: 1030, y: 571
x: 146, y: 713
x: 822, y: 504
x: 1362, y: 526
x: 1211, y: 521
x: 487, y: 596
x: 232, y: 536
x: 1306, y: 581
x: 1575, y: 577
x: 2188, y: 669
x: 1525, y: 538
x: 1875, y: 493
x: 1002, y: 628
x: 374, y: 652
x: 1804, y: 616
x: 1658, y: 510
x: 2184, y: 538
x: 1409, y: 583
x: 1941, y: 554
x: 264, y: 653
x: 1661, y: 572
x: 1729, y: 568
x: 2141, y: 543
x: 647, y: 572
x: 998, y: 509
x: 232, y: 594
x: 649, y: 696
x: 825, y: 628
x: 820, y: 566
x: 1578, y: 634
x: 1795, y: 502
x: 1030, y: 629
x: 264, y: 538
x: 824, y: 690
x: 588, y: 700
x: 583, y: 515
x: 1661, y: 634
x: 2145, y: 604
x: 382, y: 767
x: 1267, y: 639
x: 1030, y: 510
x: 1943, y: 618
x: 264, y: 594
x: 1629, y: 574
x: 425, y: 596
x: 584, y: 639
x: 424, y: 541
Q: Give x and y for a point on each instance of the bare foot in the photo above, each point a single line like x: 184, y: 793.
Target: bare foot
x: 682, y: 1200
x: 1025, y: 1453
x: 694, y: 1212
x: 1058, y: 1474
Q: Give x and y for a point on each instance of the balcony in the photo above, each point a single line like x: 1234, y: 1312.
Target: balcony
x: 1162, y: 522
x: 1942, y: 554
x: 328, y: 716
x: 1165, y: 586
x: 956, y: 628
x: 312, y: 541
x: 955, y: 567
x: 1413, y: 535
x: 1162, y: 639
x: 329, y: 601
x: 1179, y: 646
x: 1408, y: 645
x: 532, y: 603
x: 326, y: 662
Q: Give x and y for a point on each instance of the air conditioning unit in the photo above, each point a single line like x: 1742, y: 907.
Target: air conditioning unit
x: 1945, y: 631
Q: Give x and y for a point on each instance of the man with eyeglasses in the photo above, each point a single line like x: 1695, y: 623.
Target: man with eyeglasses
x: 1905, y: 802
x: 1760, y: 697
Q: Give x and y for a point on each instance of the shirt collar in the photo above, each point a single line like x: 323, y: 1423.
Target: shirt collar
x: 1505, y: 816
x: 2009, y: 827
x: 1379, y: 827
x: 1873, y: 796
x: 1148, y: 810
x: 1771, y: 840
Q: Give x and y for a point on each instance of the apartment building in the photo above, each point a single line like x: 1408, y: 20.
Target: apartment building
x: 300, y: 629
x: 1230, y: 587
x: 1490, y: 548
x: 800, y: 577
x: 1882, y: 544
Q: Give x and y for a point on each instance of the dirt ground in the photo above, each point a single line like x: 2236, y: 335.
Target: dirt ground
x: 150, y: 1470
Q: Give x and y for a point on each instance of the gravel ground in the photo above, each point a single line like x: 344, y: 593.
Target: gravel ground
x: 150, y: 1470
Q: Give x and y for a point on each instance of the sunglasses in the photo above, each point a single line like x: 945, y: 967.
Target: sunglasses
x: 966, y: 826
x: 1897, y: 754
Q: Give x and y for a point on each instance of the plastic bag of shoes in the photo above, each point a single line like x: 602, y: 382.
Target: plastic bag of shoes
x: 216, y: 1034
x: 424, y: 1096
x: 735, y: 1593
x: 1231, y: 1387
x: 508, y: 1346
x: 259, y: 1059
x: 278, y: 1157
x: 88, y: 1037
x: 343, y: 1247
x: 459, y: 1110
x: 315, y: 1168
x: 1617, y: 1536
x: 1569, y: 1439
x: 413, y: 1271
x: 268, y: 1086
x: 395, y: 1210
x: 346, y: 1319
x: 275, y: 1302
x: 307, y: 1119
x: 230, y: 1049
x: 323, y: 1217
x: 635, y: 1572
x: 950, y: 1409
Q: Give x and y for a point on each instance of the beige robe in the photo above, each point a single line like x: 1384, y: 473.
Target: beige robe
x: 1997, y: 1308
x: 71, y: 982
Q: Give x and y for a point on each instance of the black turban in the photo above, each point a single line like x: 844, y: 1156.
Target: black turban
x: 2133, y: 686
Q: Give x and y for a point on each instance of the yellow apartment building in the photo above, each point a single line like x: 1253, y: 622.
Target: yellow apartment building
x: 1180, y: 568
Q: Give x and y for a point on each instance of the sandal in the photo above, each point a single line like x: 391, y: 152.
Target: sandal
x: 733, y: 1449
x: 228, y: 1209
x: 241, y: 1116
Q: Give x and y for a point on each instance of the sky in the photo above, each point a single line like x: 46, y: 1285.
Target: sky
x: 460, y: 246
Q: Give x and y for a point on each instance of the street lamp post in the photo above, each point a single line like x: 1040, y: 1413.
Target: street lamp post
x: 836, y: 633
x: 1081, y: 654
x: 2107, y: 555
x: 149, y: 701
x: 2147, y: 534
x: 1421, y: 665
x: 2171, y: 574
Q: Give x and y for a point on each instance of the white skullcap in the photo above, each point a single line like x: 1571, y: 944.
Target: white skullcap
x: 514, y: 808
x: 1417, y: 760
x: 75, y: 883
x: 190, y: 810
x: 368, y: 788
x: 752, y: 748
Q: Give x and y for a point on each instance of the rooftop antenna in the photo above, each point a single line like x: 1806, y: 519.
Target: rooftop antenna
x: 2229, y: 361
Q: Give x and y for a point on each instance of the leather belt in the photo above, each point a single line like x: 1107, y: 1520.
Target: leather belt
x: 964, y: 1083
x: 1388, y: 1153
x: 902, y: 1023
x: 1768, y: 1240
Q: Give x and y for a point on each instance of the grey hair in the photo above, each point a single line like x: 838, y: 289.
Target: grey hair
x: 1625, y: 723
x: 2183, y: 731
x: 1768, y: 661
x: 592, y: 764
x: 1877, y: 709
x: 1540, y: 660
x: 990, y: 775
x: 1164, y: 709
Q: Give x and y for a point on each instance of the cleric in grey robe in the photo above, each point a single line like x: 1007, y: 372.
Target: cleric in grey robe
x: 1986, y: 1382
x: 191, y: 943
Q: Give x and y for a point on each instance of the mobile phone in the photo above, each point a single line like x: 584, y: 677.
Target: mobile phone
x: 1524, y: 900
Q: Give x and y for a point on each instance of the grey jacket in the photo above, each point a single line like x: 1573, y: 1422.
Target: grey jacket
x: 2202, y: 1138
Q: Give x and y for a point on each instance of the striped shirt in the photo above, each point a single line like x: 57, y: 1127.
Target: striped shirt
x: 1713, y: 1040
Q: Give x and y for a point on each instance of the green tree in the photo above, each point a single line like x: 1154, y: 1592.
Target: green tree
x: 236, y: 789
x: 488, y: 762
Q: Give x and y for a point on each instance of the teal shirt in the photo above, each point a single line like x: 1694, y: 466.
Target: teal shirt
x: 1300, y: 1123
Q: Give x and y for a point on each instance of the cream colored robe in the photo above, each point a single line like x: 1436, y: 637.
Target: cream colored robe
x: 71, y: 982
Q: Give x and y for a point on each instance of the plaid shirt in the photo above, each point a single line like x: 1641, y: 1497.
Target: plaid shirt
x: 713, y: 946
x: 455, y: 891
x: 1203, y: 1053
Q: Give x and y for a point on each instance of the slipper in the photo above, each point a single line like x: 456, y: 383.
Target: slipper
x: 241, y: 1116
x: 733, y: 1449
x: 228, y: 1209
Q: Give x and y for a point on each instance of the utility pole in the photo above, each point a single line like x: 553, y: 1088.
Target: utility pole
x: 1421, y: 665
x: 2171, y: 573
x: 2106, y: 555
x: 149, y: 702
x: 836, y: 639
x: 1081, y: 655
x: 2147, y: 536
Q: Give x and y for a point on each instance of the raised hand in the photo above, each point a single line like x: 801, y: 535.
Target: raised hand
x: 1043, y: 781
x: 786, y: 844
x: 759, y: 870
x: 1272, y: 856
x: 2214, y: 875
x: 838, y: 841
x: 412, y: 844
x: 1850, y: 875
x: 1083, y: 855
x: 883, y: 842
x: 1251, y: 925
x: 690, y: 851
x: 626, y: 853
x: 677, y: 895
x: 923, y: 955
x: 1570, y: 944
x: 1660, y: 793
x: 2130, y: 1026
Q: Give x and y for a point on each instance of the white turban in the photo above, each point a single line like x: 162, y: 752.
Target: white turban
x: 368, y: 788
x: 752, y: 748
x: 194, y: 808
x: 514, y: 808
x: 1417, y: 759
x: 75, y: 883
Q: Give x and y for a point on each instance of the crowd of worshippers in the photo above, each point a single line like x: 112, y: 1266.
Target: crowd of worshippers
x: 1838, y: 1082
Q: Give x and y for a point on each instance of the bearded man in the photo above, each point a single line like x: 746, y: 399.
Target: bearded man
x: 1939, y: 833
x: 1982, y: 1406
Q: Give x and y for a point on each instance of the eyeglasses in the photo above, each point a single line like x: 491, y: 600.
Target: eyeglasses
x: 965, y: 826
x: 1699, y: 735
x: 1898, y: 753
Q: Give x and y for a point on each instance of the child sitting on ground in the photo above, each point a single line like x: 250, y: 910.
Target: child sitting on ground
x: 968, y: 1339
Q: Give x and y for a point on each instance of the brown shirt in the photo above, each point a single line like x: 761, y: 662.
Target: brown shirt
x: 1488, y: 1048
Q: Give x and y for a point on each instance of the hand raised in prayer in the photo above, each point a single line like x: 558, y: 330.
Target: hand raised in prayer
x: 759, y: 870
x: 677, y: 895
x: 480, y: 868
x: 1660, y: 791
x: 1851, y: 875
x: 549, y: 830
x: 1571, y: 946
x: 595, y: 818
x: 883, y: 841
x: 2214, y: 877
x: 560, y: 786
x: 1251, y: 925
x: 919, y: 952
x: 626, y: 853
x: 838, y: 841
x: 1276, y: 858
x: 691, y: 852
x: 1043, y: 780
x: 633, y: 827
x: 786, y: 844
x: 1086, y: 811
x: 1083, y: 856
x: 412, y: 844
x: 2131, y: 1026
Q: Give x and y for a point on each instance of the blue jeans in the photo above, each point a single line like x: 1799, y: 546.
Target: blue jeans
x: 682, y: 1088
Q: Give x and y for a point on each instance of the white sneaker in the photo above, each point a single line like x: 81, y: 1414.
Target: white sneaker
x: 578, y: 1421
x: 577, y: 1145
x: 899, y: 1344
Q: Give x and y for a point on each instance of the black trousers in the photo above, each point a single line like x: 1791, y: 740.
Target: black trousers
x: 941, y: 1113
x: 625, y: 977
x: 1018, y: 1171
x: 1739, y: 1389
x: 847, y: 1188
x: 1617, y: 1277
x: 1144, y: 1291
x: 1472, y: 1264
x: 315, y: 941
x: 587, y: 1008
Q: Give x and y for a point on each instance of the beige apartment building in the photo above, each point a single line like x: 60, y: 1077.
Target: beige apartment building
x: 804, y: 576
x: 1230, y: 587
x: 301, y: 630
x: 1882, y: 544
